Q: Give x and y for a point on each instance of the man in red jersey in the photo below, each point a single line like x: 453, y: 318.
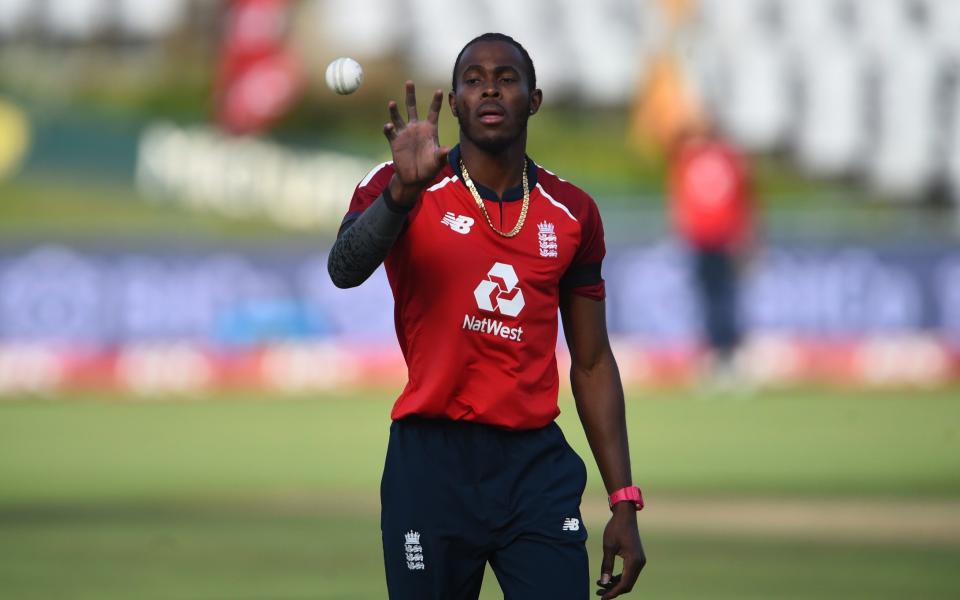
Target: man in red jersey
x: 713, y: 213
x: 482, y: 247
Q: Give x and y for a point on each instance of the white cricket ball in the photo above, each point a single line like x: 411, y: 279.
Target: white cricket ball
x: 344, y: 75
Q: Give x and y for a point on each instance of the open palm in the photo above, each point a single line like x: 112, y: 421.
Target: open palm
x: 417, y: 153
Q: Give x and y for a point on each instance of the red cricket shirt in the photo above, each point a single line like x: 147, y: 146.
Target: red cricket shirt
x: 476, y: 313
x: 710, y: 195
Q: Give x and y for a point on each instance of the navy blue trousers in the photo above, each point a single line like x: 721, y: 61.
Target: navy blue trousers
x: 457, y: 495
x: 716, y: 281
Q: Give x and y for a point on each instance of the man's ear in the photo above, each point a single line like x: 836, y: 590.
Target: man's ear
x: 536, y: 99
x: 452, y: 101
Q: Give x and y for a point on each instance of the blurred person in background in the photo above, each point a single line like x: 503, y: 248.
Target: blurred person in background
x: 713, y: 212
x: 481, y: 247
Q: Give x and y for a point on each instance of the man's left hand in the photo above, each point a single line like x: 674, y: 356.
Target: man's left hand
x: 621, y: 538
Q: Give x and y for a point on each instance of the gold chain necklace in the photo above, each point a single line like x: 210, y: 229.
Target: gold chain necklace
x: 483, y: 208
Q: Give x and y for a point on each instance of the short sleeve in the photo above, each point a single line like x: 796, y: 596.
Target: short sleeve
x: 583, y: 276
x: 369, y: 188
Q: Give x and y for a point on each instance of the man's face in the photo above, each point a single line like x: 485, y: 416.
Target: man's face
x: 492, y: 100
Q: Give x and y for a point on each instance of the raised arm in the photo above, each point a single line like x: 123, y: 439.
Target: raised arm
x: 417, y: 158
x: 598, y: 393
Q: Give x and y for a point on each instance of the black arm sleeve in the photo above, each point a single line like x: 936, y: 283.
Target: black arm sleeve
x: 363, y: 244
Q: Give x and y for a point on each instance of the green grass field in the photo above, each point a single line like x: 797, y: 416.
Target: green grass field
x: 273, y: 498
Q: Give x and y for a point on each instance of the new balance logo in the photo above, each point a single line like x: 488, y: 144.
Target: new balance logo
x: 571, y: 524
x: 413, y: 551
x: 499, y: 292
x: 458, y: 223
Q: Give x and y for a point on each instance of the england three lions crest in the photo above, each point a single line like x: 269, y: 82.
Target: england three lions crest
x: 413, y: 551
x: 547, y: 236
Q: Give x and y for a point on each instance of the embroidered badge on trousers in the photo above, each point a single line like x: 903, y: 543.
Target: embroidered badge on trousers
x: 413, y: 551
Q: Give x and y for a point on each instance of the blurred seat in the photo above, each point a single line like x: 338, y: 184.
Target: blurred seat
x: 952, y: 148
x: 732, y: 20
x: 360, y: 28
x: 605, y: 64
x: 943, y: 23
x: 805, y: 23
x: 148, y: 18
x: 902, y: 161
x: 738, y: 69
x: 76, y: 19
x: 755, y: 109
x: 880, y: 24
x: 831, y: 136
x: 15, y: 16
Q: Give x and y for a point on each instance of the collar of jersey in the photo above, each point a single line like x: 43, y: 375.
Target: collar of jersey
x: 511, y: 195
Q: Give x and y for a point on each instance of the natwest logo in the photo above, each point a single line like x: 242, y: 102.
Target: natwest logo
x: 492, y: 327
x: 499, y: 292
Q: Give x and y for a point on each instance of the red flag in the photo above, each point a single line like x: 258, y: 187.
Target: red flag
x: 258, y: 79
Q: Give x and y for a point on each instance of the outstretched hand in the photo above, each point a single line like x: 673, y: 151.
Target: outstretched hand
x: 417, y: 153
x: 621, y: 538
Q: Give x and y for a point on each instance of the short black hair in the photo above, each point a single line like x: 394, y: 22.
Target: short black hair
x: 500, y: 37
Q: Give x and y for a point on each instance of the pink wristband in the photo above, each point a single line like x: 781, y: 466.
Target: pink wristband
x: 628, y: 494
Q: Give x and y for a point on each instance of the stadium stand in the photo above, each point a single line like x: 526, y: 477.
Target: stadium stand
x: 943, y: 19
x: 826, y: 79
x: 605, y: 63
x: 74, y: 19
x: 731, y: 20
x: 830, y: 139
x: 880, y: 23
x: 863, y: 88
x: 756, y: 108
x: 367, y: 27
x: 13, y: 17
x: 806, y: 24
x: 82, y: 20
x: 952, y: 145
x: 142, y: 19
x: 902, y: 161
